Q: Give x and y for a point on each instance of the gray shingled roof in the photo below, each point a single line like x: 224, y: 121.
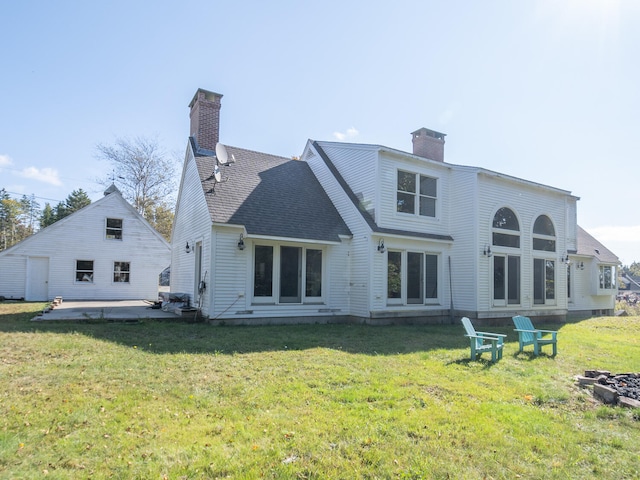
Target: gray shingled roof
x: 269, y: 195
x: 588, y: 245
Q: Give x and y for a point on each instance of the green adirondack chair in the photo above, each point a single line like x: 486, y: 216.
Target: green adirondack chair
x: 529, y: 335
x: 483, y: 341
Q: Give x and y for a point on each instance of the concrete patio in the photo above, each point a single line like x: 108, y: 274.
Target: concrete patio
x: 114, y: 310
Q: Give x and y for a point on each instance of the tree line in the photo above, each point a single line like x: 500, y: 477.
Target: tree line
x: 142, y: 171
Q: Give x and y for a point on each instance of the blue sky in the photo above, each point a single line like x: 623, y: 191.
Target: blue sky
x: 545, y: 90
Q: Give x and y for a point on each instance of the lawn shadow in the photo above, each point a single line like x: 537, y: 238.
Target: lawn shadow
x: 467, y: 362
x: 168, y: 337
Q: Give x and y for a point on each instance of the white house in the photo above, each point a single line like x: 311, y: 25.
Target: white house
x: 104, y: 251
x: 354, y: 232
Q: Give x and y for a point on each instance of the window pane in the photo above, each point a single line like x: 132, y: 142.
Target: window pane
x: 513, y: 292
x: 499, y: 278
x: 544, y: 245
x: 428, y: 206
x: 506, y: 219
x: 506, y: 240
x: 313, y: 284
x: 415, y: 276
x: 606, y: 277
x: 290, y: 273
x: 428, y: 186
x: 263, y: 274
x: 114, y: 228
x: 550, y: 284
x: 543, y: 226
x: 406, y: 203
x: 84, y: 270
x: 431, y: 282
x: 406, y: 182
x: 538, y: 281
x: 121, y: 272
x: 394, y: 275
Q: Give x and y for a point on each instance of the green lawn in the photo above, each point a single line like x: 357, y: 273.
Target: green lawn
x: 174, y: 400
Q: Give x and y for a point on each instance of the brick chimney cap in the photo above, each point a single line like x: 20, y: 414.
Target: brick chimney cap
x: 208, y: 95
x: 430, y: 133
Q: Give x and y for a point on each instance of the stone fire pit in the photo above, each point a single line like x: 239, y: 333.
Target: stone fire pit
x: 622, y: 389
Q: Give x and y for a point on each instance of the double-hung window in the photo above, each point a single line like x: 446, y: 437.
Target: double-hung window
x: 287, y: 274
x: 121, y: 272
x: 114, y: 229
x: 416, y: 194
x: 84, y: 271
x: 412, y: 278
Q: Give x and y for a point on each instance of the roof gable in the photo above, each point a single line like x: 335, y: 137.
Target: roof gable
x: 270, y: 196
x: 589, y: 246
x: 114, y: 196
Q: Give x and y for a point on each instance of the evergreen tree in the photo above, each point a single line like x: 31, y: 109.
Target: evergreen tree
x: 76, y: 200
x: 47, y: 217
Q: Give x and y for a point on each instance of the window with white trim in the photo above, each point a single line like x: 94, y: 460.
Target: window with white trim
x: 121, y: 272
x: 416, y: 194
x: 287, y: 274
x: 84, y: 271
x: 607, y: 277
x: 114, y: 229
x: 544, y: 281
x: 506, y: 229
x: 412, y: 278
x: 505, y: 234
x: 506, y: 280
x: 544, y: 235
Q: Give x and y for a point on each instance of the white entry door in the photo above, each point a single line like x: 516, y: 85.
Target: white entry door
x: 37, y: 279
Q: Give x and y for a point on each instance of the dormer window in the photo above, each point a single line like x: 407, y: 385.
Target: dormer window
x: 416, y: 194
x: 114, y: 229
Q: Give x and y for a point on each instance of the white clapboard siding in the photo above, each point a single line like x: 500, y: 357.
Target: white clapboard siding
x: 355, y: 274
x: 469, y: 280
x: 387, y: 214
x: 528, y: 201
x: 192, y: 224
x: 82, y: 236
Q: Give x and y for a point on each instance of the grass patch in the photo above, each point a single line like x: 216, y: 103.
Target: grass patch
x: 175, y: 400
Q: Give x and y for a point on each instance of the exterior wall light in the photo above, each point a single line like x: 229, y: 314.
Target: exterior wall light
x: 188, y: 248
x: 487, y: 251
x: 381, y: 248
x: 241, y: 242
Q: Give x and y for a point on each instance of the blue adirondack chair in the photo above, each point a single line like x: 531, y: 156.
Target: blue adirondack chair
x: 483, y: 341
x: 529, y: 335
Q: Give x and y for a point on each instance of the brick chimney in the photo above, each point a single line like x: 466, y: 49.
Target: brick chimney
x: 205, y: 118
x: 429, y: 144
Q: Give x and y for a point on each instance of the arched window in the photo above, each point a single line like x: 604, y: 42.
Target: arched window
x: 506, y: 228
x: 544, y: 235
x: 506, y: 266
x: 544, y: 267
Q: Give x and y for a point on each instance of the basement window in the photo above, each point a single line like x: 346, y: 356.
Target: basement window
x: 84, y: 271
x: 121, y: 272
x: 114, y: 229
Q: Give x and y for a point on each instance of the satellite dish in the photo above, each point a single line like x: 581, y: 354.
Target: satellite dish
x: 217, y: 174
x: 221, y: 153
